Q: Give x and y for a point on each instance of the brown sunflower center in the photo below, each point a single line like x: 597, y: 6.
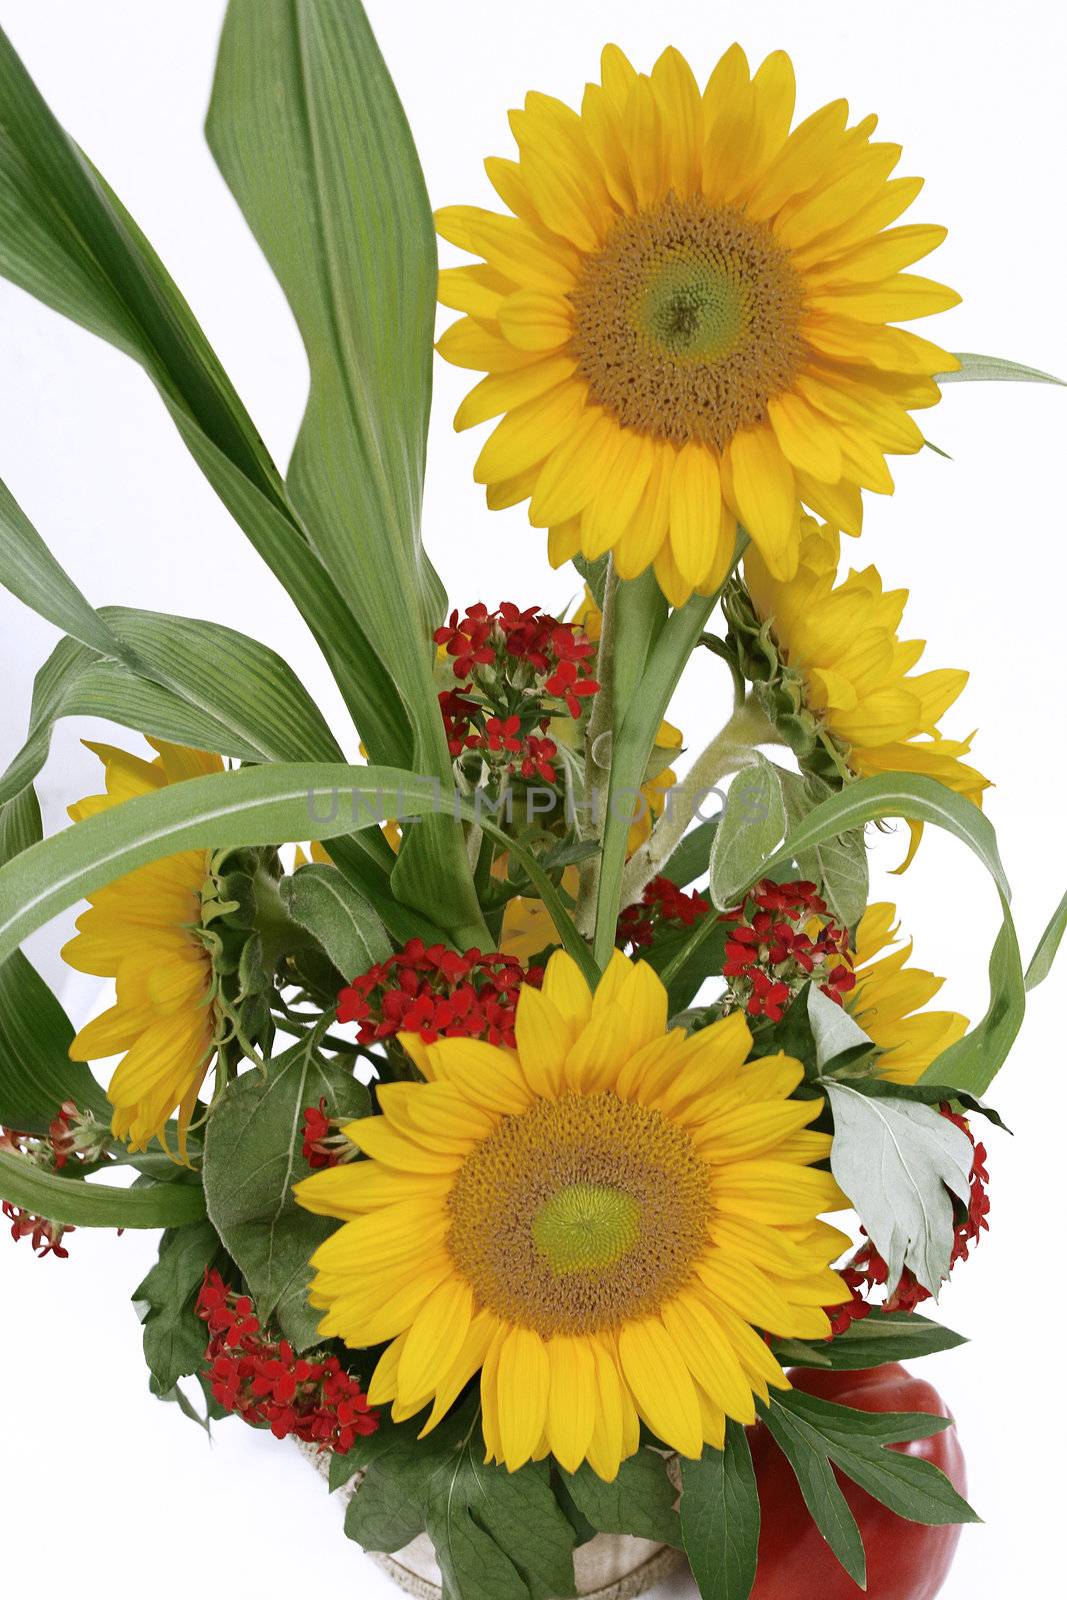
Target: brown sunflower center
x: 579, y: 1214
x: 688, y: 321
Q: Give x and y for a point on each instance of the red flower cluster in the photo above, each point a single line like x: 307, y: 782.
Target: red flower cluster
x: 770, y: 956
x: 72, y: 1136
x: 269, y: 1385
x: 868, y: 1272
x: 516, y: 663
x: 557, y: 653
x: 324, y: 1143
x: 663, y: 907
x: 432, y: 991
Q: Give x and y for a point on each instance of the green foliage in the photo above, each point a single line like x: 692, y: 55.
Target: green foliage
x: 252, y: 1158
x: 720, y: 1513
x: 174, y: 1336
x: 95, y: 1205
x: 36, y: 1072
x: 1048, y: 945
x: 838, y: 865
x: 751, y: 828
x: 497, y: 1535
x: 994, y: 369
x: 343, y: 921
x: 341, y: 213
x: 641, y: 1500
x: 881, y: 1337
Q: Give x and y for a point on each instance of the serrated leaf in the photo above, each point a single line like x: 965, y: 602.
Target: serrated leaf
x: 720, y: 1515
x: 641, y: 1501
x: 900, y: 1163
x: 927, y: 1094
x: 345, y: 923
x: 994, y: 369
x: 252, y: 1158
x: 174, y: 1336
x: 750, y: 828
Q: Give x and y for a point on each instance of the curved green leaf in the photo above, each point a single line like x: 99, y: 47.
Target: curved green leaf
x: 346, y: 924
x: 31, y: 572
x: 78, y: 1203
x: 36, y: 1072
x: 1048, y: 945
x: 994, y: 369
x: 341, y: 213
x: 972, y: 1062
x: 67, y: 239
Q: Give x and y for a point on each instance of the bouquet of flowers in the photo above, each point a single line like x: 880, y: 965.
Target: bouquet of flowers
x: 492, y: 1093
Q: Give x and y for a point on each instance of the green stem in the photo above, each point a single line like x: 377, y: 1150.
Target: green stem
x: 728, y: 752
x: 636, y: 727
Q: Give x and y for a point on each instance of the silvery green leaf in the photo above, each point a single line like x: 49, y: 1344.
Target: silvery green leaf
x: 900, y: 1163
x: 838, y: 865
x: 994, y: 369
x: 752, y: 825
x: 835, y: 1031
x: 345, y: 923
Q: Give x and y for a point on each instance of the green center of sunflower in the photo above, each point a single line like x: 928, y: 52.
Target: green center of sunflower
x: 586, y: 1225
x: 688, y: 321
x: 579, y: 1214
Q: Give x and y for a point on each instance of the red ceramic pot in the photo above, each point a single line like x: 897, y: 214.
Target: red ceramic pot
x: 905, y: 1560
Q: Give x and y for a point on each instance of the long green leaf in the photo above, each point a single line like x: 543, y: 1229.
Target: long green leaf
x: 66, y: 239
x: 1049, y: 943
x: 994, y: 369
x: 973, y: 1062
x: 78, y: 1203
x: 31, y: 572
x: 822, y: 1494
x: 720, y: 1513
x: 36, y: 1072
x: 342, y: 215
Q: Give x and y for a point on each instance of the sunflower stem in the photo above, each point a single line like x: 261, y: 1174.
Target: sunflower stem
x: 590, y: 822
x: 730, y: 750
x: 636, y: 725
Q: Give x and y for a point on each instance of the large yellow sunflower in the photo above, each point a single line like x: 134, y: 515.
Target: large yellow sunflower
x: 889, y: 997
x: 843, y: 670
x: 597, y: 1222
x: 141, y: 931
x: 687, y: 318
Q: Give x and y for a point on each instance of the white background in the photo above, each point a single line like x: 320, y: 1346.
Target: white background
x: 97, y: 1479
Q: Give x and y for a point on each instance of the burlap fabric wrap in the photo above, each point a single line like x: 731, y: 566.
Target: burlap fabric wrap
x: 610, y: 1567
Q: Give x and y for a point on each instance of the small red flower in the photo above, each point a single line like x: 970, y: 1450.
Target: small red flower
x: 264, y: 1381
x: 779, y: 939
x: 663, y: 906
x: 438, y: 993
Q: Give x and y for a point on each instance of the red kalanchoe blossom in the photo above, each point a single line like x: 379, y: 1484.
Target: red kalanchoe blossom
x: 46, y: 1236
x: 324, y: 1143
x: 538, y: 759
x: 526, y: 650
x: 867, y: 1272
x: 663, y: 906
x: 437, y: 993
x: 457, y: 713
x: 73, y: 1135
x: 503, y: 733
x: 264, y: 1381
x: 770, y: 954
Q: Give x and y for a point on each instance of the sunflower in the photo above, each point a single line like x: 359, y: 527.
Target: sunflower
x: 598, y: 1223
x: 686, y: 319
x: 889, y: 997
x: 842, y: 684
x: 142, y: 931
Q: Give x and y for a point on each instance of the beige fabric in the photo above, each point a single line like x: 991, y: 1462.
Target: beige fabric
x: 609, y: 1567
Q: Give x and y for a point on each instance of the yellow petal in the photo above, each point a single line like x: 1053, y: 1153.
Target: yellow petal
x: 523, y: 1379
x: 572, y: 1401
x: 660, y: 1383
